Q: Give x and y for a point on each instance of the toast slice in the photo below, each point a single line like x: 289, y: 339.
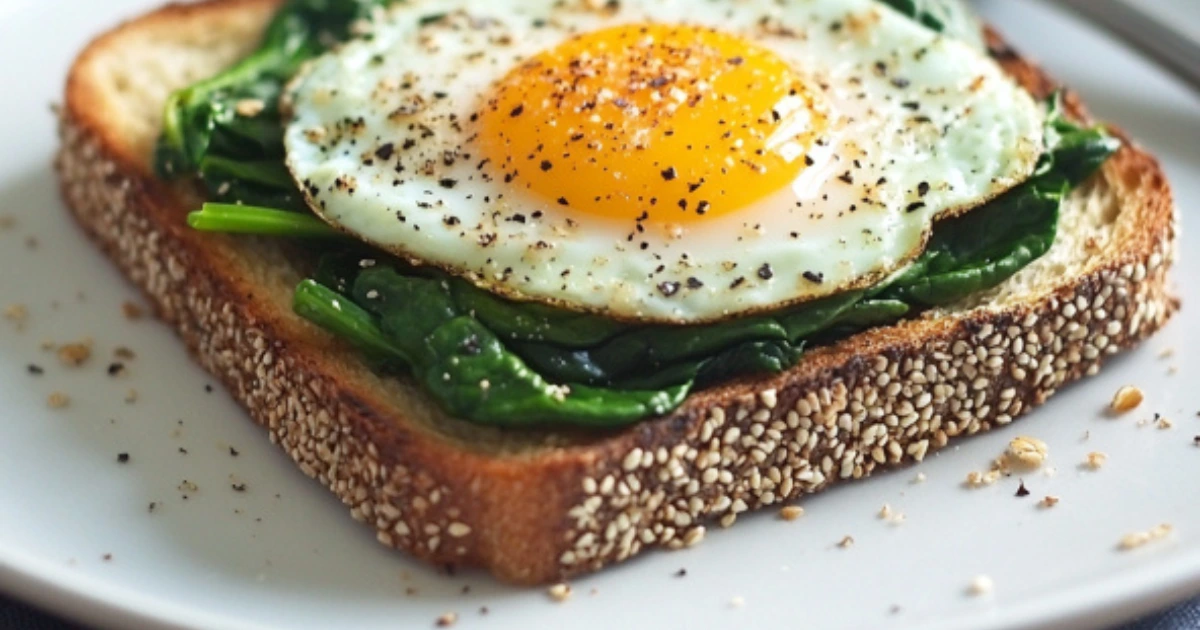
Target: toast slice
x: 540, y: 505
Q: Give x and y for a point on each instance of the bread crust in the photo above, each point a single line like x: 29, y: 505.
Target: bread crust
x: 538, y: 506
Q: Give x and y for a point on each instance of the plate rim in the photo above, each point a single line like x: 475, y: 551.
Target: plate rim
x: 1106, y: 603
x: 55, y: 588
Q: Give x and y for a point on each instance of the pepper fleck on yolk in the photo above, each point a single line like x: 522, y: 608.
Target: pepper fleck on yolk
x: 651, y: 120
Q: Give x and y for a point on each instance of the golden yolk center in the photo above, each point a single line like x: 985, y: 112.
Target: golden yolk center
x: 651, y: 120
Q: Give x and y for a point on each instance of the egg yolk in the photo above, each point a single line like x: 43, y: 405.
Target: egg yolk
x: 651, y: 120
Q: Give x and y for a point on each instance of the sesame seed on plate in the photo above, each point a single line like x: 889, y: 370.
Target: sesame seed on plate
x: 791, y: 512
x: 1126, y: 399
x: 559, y: 592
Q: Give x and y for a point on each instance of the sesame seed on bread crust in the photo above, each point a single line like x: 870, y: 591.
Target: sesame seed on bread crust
x: 536, y: 506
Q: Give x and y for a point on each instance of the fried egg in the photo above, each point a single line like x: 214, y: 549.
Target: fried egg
x: 671, y: 161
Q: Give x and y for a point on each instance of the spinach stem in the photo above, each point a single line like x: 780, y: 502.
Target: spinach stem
x: 238, y: 219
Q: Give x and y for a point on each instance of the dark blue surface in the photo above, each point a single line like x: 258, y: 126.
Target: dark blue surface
x: 17, y: 616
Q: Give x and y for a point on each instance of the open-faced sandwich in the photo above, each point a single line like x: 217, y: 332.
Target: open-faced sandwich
x: 538, y: 285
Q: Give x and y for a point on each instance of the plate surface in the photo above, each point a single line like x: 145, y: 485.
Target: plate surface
x: 284, y: 554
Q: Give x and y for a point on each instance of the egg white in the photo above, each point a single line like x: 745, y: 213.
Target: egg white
x: 953, y: 133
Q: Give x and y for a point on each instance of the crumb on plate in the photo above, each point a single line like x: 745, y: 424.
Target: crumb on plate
x: 131, y: 311
x: 981, y: 585
x: 1096, y: 459
x: 18, y: 314
x: 75, y: 354
x: 1133, y: 540
x: 976, y: 479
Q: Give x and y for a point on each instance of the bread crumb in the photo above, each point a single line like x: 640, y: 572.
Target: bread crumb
x: 74, y: 354
x: 1048, y: 501
x: 121, y: 352
x: 58, y: 400
x: 131, y: 311
x: 846, y: 542
x: 737, y: 601
x: 188, y: 486
x: 559, y: 592
x: 447, y: 619
x: 1133, y: 540
x: 131, y: 396
x: 1127, y: 398
x: 1027, y: 451
x: 920, y: 478
x: 18, y: 314
x: 1166, y: 353
x: 981, y: 585
x: 1165, y: 423
x: 791, y: 512
x: 977, y: 479
x: 885, y: 512
x: 1095, y: 460
x: 250, y: 107
x: 1050, y: 471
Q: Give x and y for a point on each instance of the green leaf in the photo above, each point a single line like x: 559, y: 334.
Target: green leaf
x: 533, y: 322
x: 347, y: 320
x: 199, y: 116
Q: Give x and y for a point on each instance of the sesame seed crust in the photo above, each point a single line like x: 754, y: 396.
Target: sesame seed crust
x: 538, y: 507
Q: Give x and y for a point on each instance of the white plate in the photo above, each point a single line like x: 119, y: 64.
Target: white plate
x: 284, y: 553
